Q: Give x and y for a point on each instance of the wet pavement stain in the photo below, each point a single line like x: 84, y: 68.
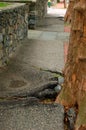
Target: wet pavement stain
x: 17, y: 84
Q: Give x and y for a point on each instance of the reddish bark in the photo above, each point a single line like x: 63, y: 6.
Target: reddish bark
x: 82, y: 128
x: 68, y: 14
x: 74, y: 90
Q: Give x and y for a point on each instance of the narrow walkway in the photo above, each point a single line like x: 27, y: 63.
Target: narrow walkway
x: 43, y: 50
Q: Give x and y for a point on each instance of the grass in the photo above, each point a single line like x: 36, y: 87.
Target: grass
x: 3, y: 4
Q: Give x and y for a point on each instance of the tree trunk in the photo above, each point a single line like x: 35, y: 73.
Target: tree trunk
x: 65, y: 4
x: 74, y: 90
x: 68, y: 14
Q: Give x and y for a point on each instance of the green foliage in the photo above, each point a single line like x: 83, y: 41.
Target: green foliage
x: 3, y: 4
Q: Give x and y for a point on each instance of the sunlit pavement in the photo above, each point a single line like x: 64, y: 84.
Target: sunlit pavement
x: 56, y: 12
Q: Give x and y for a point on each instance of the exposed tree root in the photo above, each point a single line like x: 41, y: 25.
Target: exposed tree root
x: 52, y: 71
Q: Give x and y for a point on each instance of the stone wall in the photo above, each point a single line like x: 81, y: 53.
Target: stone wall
x: 41, y: 8
x: 13, y: 28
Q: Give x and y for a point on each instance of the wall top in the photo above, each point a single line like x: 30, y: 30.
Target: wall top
x: 19, y: 1
x: 10, y: 6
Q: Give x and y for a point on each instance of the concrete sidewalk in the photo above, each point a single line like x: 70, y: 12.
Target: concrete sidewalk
x: 44, y: 49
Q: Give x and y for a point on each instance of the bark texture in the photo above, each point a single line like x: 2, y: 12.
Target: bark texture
x: 74, y: 90
x: 68, y: 14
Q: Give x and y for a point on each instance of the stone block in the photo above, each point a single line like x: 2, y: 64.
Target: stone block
x: 1, y: 37
x: 3, y: 30
x: 1, y: 53
x: 1, y: 63
x: 1, y: 46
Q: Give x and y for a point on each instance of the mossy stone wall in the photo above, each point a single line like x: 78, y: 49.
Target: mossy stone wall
x: 13, y: 29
